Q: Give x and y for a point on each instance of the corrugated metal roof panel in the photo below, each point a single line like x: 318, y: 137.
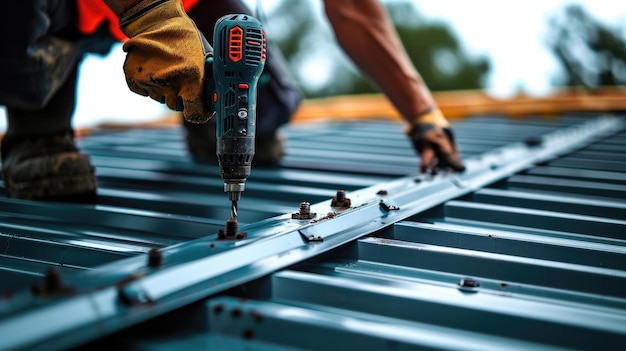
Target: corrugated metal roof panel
x: 504, y: 256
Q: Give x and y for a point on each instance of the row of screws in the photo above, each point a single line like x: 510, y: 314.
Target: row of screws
x: 340, y: 201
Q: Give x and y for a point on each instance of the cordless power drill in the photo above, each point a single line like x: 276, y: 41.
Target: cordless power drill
x: 238, y: 59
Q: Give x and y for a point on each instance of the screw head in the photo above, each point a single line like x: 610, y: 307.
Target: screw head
x: 155, y: 257
x: 305, y: 212
x: 468, y: 283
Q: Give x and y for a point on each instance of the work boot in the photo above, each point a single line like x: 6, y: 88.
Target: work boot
x: 39, y: 157
x: 47, y: 167
x: 269, y: 150
x: 202, y: 145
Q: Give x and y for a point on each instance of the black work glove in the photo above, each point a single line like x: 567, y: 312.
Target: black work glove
x: 436, y: 148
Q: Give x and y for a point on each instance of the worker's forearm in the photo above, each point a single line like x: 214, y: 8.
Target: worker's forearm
x: 119, y: 6
x: 365, y: 33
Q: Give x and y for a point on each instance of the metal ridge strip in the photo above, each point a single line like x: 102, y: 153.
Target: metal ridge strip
x: 207, y: 266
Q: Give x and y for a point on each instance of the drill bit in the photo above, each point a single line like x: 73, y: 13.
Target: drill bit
x: 233, y: 210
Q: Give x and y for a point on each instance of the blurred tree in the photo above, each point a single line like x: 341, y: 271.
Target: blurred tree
x: 592, y: 54
x: 436, y: 51
x: 303, y: 35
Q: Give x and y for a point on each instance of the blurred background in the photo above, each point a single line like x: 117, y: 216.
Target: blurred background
x: 506, y: 49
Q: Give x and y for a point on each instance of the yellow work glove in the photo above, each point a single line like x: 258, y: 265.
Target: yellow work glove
x: 165, y: 57
x: 434, y: 142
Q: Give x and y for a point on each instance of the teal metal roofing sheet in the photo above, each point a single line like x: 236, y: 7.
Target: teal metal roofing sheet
x: 525, y: 250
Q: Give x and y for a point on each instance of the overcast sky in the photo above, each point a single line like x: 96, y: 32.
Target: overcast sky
x: 512, y: 34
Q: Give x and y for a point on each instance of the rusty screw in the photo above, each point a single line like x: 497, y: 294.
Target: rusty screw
x: 305, y: 212
x: 155, y: 258
x: 340, y: 200
x: 231, y: 227
x: 52, y: 284
x: 231, y: 231
x: 53, y: 281
x: 341, y: 195
x: 305, y: 207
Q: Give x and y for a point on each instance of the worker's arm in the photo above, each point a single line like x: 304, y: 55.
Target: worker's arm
x: 365, y: 33
x: 165, y: 54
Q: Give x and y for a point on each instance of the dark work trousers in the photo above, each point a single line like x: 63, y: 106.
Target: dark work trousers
x: 38, y: 61
x: 40, y: 50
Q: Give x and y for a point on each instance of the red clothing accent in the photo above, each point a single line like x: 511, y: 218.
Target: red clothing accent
x: 92, y: 13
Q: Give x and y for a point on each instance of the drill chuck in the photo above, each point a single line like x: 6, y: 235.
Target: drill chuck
x: 238, y: 61
x: 234, y: 190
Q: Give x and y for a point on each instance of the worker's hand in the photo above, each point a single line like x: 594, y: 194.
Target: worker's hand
x: 166, y: 55
x: 434, y: 142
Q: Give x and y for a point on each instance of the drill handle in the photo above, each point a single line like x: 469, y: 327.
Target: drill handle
x: 209, y: 81
x: 210, y: 95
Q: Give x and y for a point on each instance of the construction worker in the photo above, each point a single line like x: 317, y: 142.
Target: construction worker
x: 365, y: 33
x: 165, y: 60
x: 38, y: 78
